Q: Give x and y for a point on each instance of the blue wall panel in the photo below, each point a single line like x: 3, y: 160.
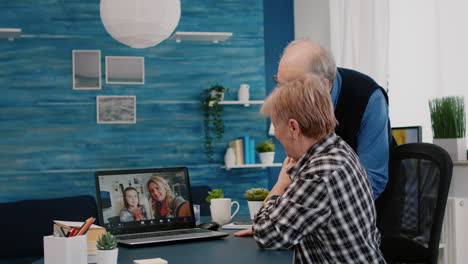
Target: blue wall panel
x: 279, y: 31
x: 50, y: 143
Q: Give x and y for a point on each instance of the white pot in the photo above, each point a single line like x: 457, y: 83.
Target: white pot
x: 254, y: 207
x: 107, y: 256
x: 213, y: 95
x: 230, y: 158
x: 456, y: 147
x: 267, y: 157
x: 243, y: 93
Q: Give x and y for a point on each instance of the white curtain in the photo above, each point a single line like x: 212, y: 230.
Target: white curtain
x: 359, y: 36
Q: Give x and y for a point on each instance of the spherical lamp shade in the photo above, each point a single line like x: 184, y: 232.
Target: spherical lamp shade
x: 140, y: 23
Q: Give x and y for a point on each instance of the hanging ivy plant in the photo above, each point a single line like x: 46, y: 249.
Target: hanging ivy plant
x: 212, y: 121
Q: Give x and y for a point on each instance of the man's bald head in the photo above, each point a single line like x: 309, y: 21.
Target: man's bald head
x: 305, y: 56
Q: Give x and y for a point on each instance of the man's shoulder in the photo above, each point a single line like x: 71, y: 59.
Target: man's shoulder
x: 346, y: 73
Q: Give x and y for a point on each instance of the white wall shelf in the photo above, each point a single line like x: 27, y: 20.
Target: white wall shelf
x: 245, y: 103
x: 215, y: 37
x: 246, y: 166
x: 10, y: 33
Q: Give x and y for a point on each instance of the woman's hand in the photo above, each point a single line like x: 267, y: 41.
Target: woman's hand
x: 284, y: 179
x: 245, y: 232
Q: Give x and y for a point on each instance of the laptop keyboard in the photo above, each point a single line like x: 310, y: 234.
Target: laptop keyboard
x: 162, y: 233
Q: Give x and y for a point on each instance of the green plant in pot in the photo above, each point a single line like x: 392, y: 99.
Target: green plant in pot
x: 107, y: 249
x: 212, y: 117
x: 214, y: 194
x: 449, y: 125
x: 266, y: 151
x: 255, y: 198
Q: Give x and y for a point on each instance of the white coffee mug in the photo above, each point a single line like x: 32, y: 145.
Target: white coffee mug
x: 221, y: 210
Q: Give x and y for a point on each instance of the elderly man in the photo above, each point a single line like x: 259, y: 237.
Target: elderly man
x: 322, y: 203
x: 361, y: 105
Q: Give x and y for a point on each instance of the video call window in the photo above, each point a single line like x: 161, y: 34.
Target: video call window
x: 143, y: 197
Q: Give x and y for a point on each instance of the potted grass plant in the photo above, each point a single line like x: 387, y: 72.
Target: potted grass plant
x: 255, y: 198
x: 107, y: 252
x: 449, y: 125
x: 266, y: 151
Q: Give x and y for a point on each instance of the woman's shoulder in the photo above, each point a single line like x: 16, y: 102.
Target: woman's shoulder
x: 178, y: 200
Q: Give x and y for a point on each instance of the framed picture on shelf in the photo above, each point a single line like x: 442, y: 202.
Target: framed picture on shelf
x: 116, y: 109
x: 125, y: 70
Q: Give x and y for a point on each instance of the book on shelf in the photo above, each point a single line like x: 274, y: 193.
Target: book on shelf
x: 252, y: 151
x: 238, y: 150
x: 240, y: 153
x: 246, y: 142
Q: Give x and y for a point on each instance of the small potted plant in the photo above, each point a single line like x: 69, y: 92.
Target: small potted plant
x: 266, y: 151
x: 107, y: 252
x: 255, y: 198
x: 448, y: 125
x: 212, y: 121
x: 214, y: 194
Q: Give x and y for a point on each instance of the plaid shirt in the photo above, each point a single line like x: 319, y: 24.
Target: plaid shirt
x: 327, y: 212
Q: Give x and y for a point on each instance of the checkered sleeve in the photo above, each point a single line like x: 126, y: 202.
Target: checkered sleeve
x: 284, y: 220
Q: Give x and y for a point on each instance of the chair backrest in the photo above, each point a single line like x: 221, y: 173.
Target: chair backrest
x: 199, y: 193
x: 25, y: 223
x: 413, y: 203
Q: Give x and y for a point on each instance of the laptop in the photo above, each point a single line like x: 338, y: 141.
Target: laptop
x: 146, y: 206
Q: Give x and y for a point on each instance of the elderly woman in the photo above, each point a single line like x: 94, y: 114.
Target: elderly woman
x: 163, y: 201
x: 322, y: 203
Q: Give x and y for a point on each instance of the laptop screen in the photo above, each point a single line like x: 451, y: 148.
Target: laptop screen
x: 144, y: 200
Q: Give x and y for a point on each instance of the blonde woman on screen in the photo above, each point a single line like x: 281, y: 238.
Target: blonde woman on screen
x: 163, y: 201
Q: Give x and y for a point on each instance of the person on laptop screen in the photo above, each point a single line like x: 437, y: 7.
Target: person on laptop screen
x: 163, y: 202
x: 133, y: 210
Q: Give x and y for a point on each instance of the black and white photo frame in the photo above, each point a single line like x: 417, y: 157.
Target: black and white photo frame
x: 116, y: 109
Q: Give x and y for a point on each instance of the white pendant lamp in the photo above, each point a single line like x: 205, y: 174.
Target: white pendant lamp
x: 140, y: 23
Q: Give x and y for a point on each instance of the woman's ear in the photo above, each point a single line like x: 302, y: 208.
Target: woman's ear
x: 294, y: 129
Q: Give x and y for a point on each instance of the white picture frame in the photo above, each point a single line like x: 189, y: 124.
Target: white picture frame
x: 86, y: 69
x: 116, y: 109
x: 125, y: 70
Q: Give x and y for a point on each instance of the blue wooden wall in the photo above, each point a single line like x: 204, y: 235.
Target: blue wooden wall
x: 50, y: 143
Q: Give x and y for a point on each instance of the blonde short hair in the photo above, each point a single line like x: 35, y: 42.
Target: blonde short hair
x: 306, y: 100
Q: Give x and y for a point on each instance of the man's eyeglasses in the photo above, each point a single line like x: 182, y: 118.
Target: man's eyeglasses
x: 275, y: 78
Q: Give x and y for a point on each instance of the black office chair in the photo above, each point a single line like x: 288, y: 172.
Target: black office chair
x: 410, y: 212
x: 199, y: 193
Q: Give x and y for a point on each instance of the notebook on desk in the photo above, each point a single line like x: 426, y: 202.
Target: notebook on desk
x: 148, y: 206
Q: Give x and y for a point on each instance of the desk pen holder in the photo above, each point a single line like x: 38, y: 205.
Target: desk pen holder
x: 65, y: 250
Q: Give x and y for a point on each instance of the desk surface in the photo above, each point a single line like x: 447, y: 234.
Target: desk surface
x: 231, y: 249
x: 228, y: 250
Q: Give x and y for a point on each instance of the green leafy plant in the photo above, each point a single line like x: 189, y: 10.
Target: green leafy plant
x: 216, y: 193
x: 212, y: 121
x: 256, y: 194
x: 106, y: 241
x: 448, y: 117
x: 266, y: 146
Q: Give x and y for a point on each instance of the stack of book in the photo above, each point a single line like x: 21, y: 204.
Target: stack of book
x: 244, y: 149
